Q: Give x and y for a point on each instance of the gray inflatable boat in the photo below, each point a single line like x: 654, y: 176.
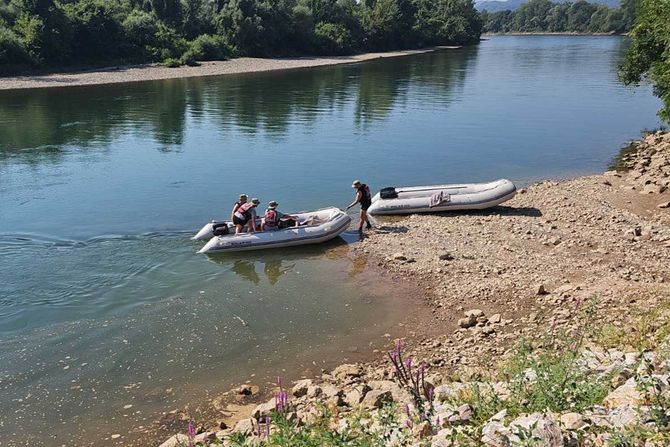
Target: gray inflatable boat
x: 439, y: 198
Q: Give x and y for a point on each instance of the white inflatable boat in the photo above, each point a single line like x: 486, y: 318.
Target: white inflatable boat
x: 315, y: 227
x: 438, y: 198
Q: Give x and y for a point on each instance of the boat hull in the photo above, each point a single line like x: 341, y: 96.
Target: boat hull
x: 335, y: 222
x: 417, y: 199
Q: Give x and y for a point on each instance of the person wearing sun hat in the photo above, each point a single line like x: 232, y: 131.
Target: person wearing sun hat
x: 245, y: 216
x: 276, y: 220
x: 363, y: 198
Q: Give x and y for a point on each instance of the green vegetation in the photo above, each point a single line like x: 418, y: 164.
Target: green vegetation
x: 546, y: 16
x: 56, y: 33
x: 649, y: 54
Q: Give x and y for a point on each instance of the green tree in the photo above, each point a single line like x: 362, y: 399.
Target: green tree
x: 168, y: 11
x: 557, y: 19
x: 96, y: 27
x: 579, y: 16
x: 649, y: 54
x: 380, y: 21
x: 532, y: 15
x: 628, y: 13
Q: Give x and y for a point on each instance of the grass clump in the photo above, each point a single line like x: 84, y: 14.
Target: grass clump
x: 171, y: 62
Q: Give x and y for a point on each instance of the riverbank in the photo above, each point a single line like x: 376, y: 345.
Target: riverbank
x: 576, y: 269
x: 153, y: 72
x: 548, y: 33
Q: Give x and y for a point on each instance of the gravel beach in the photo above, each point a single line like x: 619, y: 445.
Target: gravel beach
x: 588, y: 254
x: 113, y: 75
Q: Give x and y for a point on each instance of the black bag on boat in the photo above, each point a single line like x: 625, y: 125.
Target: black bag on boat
x: 388, y: 193
x: 220, y: 229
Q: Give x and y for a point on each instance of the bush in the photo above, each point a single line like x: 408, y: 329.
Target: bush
x: 140, y: 28
x: 209, y: 48
x: 13, y: 55
x: 332, y: 39
x: 171, y: 62
x: 96, y: 30
x: 167, y: 44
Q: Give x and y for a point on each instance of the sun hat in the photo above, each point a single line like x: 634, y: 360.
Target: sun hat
x: 243, y: 197
x: 356, y: 184
x: 272, y: 204
x: 255, y: 201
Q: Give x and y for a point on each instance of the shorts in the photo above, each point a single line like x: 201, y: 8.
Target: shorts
x: 238, y: 221
x: 365, y: 205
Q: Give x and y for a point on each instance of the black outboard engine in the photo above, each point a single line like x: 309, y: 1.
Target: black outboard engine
x: 388, y: 193
x: 220, y: 229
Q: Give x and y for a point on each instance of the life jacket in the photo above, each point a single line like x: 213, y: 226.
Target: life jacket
x: 271, y: 218
x: 366, y: 198
x: 244, y: 211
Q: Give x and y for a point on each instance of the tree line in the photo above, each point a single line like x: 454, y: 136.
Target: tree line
x: 61, y: 33
x: 546, y: 16
x: 648, y: 57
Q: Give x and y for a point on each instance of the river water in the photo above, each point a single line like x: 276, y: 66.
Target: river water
x: 103, y: 301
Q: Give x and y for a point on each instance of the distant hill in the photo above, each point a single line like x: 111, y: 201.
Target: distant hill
x: 502, y: 5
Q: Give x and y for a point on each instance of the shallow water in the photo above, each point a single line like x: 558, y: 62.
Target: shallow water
x: 103, y: 302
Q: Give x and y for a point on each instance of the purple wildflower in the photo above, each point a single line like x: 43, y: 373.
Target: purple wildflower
x: 191, y: 433
x: 408, y: 363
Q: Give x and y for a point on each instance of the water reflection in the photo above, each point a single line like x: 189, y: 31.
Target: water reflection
x: 277, y: 263
x: 48, y: 120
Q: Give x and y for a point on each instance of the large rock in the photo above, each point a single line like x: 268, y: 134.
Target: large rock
x: 246, y: 427
x: 626, y: 394
x: 495, y: 434
x: 176, y: 441
x: 376, y: 399
x: 624, y: 416
x: 545, y: 430
x: 476, y: 313
x: 399, y: 395
x: 355, y: 396
x: 264, y: 409
x: 572, y: 421
x: 301, y: 387
x: 347, y: 371
x: 467, y: 322
x: 448, y: 391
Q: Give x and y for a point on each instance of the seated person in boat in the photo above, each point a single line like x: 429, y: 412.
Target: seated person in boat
x: 276, y: 220
x: 245, y: 216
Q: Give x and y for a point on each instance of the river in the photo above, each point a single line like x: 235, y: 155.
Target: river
x: 103, y: 301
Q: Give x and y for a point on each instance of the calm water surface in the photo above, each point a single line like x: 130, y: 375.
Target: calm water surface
x: 102, y: 300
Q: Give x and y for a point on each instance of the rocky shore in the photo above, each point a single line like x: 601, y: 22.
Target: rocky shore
x: 554, y: 313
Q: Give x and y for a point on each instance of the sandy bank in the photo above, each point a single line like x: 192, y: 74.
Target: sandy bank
x: 153, y: 72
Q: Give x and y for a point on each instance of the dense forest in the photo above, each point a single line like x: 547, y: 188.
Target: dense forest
x: 649, y: 54
x: 67, y: 33
x: 546, y: 16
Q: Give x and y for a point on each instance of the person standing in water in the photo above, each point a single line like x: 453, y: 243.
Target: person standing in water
x: 363, y: 198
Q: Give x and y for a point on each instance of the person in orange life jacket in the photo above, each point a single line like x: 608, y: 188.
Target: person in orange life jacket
x: 364, y: 198
x: 245, y: 216
x: 273, y: 218
x: 243, y: 199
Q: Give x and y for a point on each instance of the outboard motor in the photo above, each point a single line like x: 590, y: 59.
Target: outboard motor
x: 220, y: 229
x: 388, y: 193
